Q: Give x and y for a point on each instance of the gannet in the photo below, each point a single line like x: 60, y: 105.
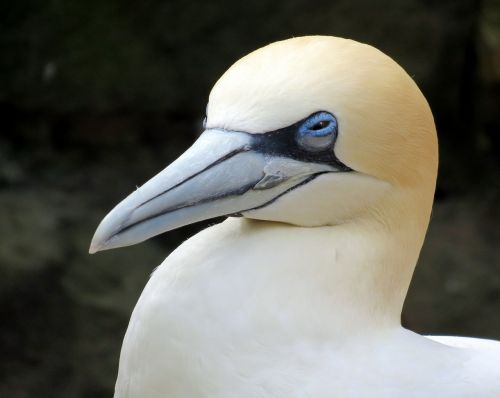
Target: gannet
x: 322, y: 152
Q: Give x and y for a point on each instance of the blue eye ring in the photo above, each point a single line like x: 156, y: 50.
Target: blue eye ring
x: 318, y: 132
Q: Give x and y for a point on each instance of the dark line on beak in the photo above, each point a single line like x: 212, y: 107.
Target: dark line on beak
x: 184, y: 205
x: 229, y: 155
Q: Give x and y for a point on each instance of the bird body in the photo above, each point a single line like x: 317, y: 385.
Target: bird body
x: 238, y: 310
x: 323, y: 152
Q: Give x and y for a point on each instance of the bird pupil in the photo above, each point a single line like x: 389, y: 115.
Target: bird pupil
x: 320, y: 125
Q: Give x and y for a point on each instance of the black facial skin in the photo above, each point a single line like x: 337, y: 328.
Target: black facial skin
x: 283, y: 142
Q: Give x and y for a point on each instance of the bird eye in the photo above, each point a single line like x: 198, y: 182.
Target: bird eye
x: 317, y: 132
x: 320, y: 125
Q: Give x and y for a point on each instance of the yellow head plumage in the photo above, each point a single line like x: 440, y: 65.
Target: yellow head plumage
x: 386, y: 128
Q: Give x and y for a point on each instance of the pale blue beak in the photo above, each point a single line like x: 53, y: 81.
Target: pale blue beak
x: 221, y: 174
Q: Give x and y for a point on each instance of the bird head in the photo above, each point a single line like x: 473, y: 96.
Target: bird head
x: 309, y: 131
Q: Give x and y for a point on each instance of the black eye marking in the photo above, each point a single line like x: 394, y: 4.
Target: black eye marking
x: 309, y: 140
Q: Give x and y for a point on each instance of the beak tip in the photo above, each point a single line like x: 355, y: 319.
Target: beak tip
x: 103, y: 236
x: 98, y: 243
x: 94, y: 247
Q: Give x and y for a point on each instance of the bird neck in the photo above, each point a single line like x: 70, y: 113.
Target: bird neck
x: 383, y: 245
x: 338, y: 281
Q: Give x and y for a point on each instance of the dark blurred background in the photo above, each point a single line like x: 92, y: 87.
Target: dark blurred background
x: 96, y: 96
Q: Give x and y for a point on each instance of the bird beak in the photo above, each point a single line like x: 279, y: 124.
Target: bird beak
x: 223, y: 173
